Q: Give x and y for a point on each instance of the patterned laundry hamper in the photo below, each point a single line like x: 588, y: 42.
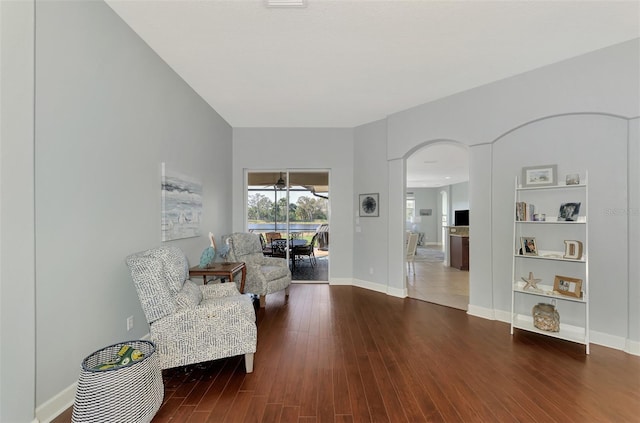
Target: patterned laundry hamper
x: 129, y: 393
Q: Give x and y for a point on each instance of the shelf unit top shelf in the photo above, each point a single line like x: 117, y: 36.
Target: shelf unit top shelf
x: 551, y: 187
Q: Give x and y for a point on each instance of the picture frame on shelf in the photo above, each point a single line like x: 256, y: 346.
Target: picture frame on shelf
x: 528, y: 246
x: 569, y: 212
x: 539, y: 176
x: 369, y: 205
x: 565, y: 285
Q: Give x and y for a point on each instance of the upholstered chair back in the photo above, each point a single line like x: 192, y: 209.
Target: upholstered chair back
x: 246, y: 247
x: 159, y: 276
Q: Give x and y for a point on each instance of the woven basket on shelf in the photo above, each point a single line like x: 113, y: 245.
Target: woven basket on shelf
x: 129, y: 393
x: 546, y: 317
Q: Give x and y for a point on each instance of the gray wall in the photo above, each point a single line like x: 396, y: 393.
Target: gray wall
x: 370, y: 244
x: 427, y: 198
x: 459, y: 195
x: 297, y: 148
x: 503, y: 113
x: 17, y: 243
x: 108, y: 113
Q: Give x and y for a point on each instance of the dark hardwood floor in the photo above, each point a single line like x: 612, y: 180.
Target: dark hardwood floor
x: 345, y: 354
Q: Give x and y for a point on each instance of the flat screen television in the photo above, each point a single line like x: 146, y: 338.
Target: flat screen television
x: 461, y: 218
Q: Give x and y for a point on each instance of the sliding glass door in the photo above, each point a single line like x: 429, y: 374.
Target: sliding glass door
x: 292, y: 205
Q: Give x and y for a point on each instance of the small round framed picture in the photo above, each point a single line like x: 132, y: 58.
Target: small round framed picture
x: 369, y: 205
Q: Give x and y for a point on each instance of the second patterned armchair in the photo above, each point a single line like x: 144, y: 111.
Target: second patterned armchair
x: 265, y: 275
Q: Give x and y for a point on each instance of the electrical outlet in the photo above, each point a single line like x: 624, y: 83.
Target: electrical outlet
x: 371, y: 270
x: 129, y: 323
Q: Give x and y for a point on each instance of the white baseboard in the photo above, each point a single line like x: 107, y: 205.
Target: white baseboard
x: 606, y: 340
x: 341, y: 281
x: 485, y: 313
x: 57, y: 405
x: 372, y: 286
x: 398, y: 292
x: 502, y: 316
x: 632, y: 347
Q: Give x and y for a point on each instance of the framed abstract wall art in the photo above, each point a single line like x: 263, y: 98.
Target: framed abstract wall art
x: 369, y: 205
x: 181, y: 205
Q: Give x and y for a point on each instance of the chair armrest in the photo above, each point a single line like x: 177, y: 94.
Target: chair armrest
x: 273, y: 261
x: 218, y: 290
x: 210, y: 315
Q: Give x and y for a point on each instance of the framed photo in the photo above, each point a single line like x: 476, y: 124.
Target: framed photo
x: 569, y: 212
x: 528, y: 246
x: 539, y: 176
x: 571, y: 287
x: 426, y: 212
x: 369, y: 205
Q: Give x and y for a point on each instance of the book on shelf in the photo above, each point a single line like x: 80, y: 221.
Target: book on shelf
x: 524, y: 211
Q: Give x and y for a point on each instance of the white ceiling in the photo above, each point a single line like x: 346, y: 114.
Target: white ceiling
x: 346, y: 63
x: 438, y: 165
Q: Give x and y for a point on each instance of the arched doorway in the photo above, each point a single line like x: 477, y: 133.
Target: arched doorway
x: 437, y: 179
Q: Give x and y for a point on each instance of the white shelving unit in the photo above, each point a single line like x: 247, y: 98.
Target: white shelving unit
x: 550, y: 235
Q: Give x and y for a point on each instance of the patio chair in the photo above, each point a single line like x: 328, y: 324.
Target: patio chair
x: 307, y: 250
x: 266, y: 248
x: 270, y: 236
x: 265, y: 275
x: 191, y: 323
x: 279, y: 248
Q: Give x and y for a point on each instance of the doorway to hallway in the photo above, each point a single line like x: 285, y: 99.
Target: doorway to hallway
x: 437, y: 178
x: 435, y: 282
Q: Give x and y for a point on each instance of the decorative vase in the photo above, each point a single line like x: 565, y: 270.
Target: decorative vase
x: 546, y: 317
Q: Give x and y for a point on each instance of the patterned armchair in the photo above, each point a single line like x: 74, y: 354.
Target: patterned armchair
x: 191, y: 323
x: 265, y: 275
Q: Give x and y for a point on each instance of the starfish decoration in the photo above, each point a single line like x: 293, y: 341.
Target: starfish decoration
x: 531, y: 282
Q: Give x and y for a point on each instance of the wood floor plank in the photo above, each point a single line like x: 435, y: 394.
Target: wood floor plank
x: 216, y: 388
x: 289, y: 414
x: 346, y: 354
x: 272, y: 413
x: 309, y: 394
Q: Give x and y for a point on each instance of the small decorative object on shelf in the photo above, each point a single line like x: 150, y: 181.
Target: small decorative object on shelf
x: 569, y: 212
x: 572, y: 250
x: 209, y: 253
x: 546, y: 317
x: 573, y: 179
x: 531, y: 282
